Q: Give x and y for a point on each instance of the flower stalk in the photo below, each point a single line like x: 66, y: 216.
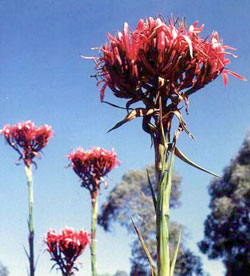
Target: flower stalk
x: 28, y: 171
x: 163, y: 170
x: 162, y: 216
x: 164, y: 265
x: 28, y: 140
x: 91, y: 166
x: 94, y: 204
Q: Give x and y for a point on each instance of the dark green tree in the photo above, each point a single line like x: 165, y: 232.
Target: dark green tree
x: 227, y: 227
x: 3, y: 270
x: 132, y: 198
x: 121, y: 273
x: 118, y: 273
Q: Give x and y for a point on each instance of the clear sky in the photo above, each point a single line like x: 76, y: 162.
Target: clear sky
x: 43, y: 78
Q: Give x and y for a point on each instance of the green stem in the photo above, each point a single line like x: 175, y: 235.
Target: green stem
x: 164, y: 170
x: 28, y: 171
x: 162, y: 211
x: 93, y: 231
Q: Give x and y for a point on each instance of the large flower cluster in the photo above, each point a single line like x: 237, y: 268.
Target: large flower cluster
x: 133, y: 61
x: 27, y: 139
x: 92, y: 165
x: 160, y: 65
x: 66, y: 247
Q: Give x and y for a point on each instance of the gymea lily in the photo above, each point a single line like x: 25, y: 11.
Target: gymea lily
x: 91, y: 166
x: 28, y: 140
x: 159, y: 65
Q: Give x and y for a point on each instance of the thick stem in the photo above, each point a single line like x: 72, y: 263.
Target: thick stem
x: 162, y: 210
x: 94, y: 203
x: 28, y: 170
x: 164, y: 169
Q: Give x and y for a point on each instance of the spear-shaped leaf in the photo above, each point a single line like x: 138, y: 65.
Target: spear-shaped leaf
x: 152, y: 190
x: 175, y: 255
x: 151, y: 262
x: 137, y: 112
x: 26, y: 252
x: 116, y: 106
x: 180, y: 155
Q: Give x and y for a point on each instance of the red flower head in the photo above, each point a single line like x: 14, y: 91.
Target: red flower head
x: 92, y: 165
x: 27, y: 139
x: 160, y: 60
x: 66, y: 247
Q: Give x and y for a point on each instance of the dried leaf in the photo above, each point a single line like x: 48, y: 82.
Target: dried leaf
x: 137, y: 112
x: 183, y: 124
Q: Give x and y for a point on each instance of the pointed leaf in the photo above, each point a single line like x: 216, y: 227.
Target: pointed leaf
x: 26, y: 252
x: 36, y: 262
x: 137, y: 112
x: 116, y: 106
x: 179, y: 154
x: 132, y: 101
x: 152, y: 190
x: 53, y: 267
x: 151, y: 262
x: 175, y: 255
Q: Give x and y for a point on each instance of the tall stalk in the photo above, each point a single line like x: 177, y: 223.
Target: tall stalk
x: 91, y: 166
x: 163, y: 172
x: 28, y: 171
x: 164, y: 168
x: 94, y: 204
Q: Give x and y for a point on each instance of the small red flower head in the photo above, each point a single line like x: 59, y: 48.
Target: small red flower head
x: 92, y: 165
x: 27, y: 139
x: 66, y: 247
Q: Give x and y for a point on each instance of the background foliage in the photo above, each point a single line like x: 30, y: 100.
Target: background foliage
x: 227, y: 227
x: 3, y: 270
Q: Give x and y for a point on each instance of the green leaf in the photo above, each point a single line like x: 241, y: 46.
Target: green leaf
x: 151, y: 190
x: 151, y: 262
x: 175, y: 255
x: 180, y: 155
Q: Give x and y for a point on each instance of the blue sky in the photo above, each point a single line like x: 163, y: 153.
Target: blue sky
x: 43, y: 78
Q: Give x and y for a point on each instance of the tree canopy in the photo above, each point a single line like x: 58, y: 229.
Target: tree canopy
x: 117, y: 273
x: 132, y: 198
x: 3, y: 270
x: 227, y: 227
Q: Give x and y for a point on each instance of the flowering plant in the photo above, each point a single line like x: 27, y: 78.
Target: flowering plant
x: 160, y: 65
x: 91, y: 166
x: 66, y: 247
x: 28, y: 139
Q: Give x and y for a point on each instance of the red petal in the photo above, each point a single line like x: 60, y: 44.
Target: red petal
x: 161, y: 41
x: 126, y: 37
x: 225, y: 77
x: 140, y: 25
x: 112, y: 38
x: 235, y: 75
x: 103, y: 91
